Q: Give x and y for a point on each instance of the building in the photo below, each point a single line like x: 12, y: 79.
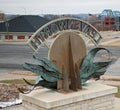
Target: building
x: 21, y: 27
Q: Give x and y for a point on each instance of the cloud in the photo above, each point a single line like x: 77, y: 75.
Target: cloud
x: 57, y: 6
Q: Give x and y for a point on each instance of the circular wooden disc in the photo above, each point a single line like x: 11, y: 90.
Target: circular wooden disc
x: 59, y: 53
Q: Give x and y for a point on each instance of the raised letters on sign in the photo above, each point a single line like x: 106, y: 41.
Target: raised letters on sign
x: 58, y: 25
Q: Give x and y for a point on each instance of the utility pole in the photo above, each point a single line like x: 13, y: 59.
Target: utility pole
x: 7, y: 25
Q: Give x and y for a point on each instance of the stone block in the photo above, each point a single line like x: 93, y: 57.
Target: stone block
x: 94, y: 96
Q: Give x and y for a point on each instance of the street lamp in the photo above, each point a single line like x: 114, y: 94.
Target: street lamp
x: 7, y: 25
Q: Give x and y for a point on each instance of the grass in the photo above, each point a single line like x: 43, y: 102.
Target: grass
x: 118, y: 94
x: 16, y: 81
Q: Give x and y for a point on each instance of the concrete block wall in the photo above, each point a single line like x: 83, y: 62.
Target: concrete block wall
x: 92, y: 97
x: 99, y: 103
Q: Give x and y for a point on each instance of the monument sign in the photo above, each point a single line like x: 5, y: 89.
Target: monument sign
x: 55, y: 27
x: 64, y: 74
x: 68, y: 65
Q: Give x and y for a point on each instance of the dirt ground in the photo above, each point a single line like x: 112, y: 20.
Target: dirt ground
x: 9, y: 92
x: 110, y: 38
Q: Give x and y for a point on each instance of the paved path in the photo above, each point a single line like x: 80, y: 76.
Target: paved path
x: 17, y: 107
x: 114, y: 68
x: 8, y: 76
x: 110, y: 41
x: 117, y: 104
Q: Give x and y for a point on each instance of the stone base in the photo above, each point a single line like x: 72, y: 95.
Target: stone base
x: 94, y: 96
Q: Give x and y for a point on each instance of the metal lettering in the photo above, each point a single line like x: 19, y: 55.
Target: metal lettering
x: 91, y: 31
x: 62, y: 25
x: 54, y: 28
x: 41, y: 38
x: 70, y: 24
x: 33, y: 45
x: 84, y: 26
x: 77, y: 25
x: 37, y: 41
x: 94, y: 35
x: 47, y: 31
x: 44, y: 35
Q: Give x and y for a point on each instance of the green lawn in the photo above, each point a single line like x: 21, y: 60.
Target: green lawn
x: 118, y: 94
x: 16, y: 81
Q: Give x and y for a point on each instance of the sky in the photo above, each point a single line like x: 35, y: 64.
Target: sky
x: 37, y: 7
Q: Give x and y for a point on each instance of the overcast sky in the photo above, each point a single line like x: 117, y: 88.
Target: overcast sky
x: 57, y: 6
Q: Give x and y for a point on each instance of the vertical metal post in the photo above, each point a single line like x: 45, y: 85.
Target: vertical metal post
x: 7, y: 25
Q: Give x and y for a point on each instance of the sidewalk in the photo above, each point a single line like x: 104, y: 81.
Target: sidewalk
x: 117, y: 103
x: 10, y: 76
x: 113, y: 72
x: 114, y: 69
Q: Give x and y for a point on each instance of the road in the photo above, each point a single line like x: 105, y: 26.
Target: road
x: 14, y: 54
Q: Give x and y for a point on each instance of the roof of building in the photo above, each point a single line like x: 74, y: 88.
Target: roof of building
x: 24, y: 23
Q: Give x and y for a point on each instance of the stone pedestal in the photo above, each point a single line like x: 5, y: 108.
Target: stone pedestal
x: 93, y: 96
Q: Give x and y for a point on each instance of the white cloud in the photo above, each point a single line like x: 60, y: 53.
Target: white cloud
x: 57, y: 6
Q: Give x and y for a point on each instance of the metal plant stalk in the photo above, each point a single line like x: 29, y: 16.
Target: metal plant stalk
x: 48, y: 74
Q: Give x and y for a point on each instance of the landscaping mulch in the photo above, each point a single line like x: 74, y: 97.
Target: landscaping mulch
x: 9, y: 92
